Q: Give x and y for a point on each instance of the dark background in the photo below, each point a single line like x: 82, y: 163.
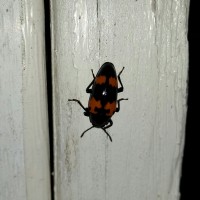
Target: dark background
x: 190, y: 186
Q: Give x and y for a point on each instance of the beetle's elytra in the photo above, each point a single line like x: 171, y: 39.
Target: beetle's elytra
x: 103, y: 101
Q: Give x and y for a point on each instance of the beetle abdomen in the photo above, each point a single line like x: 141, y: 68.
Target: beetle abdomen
x: 103, y: 98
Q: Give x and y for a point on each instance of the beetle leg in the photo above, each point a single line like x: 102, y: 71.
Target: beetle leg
x: 88, y: 90
x: 93, y: 73
x: 107, y: 134
x: 86, y: 130
x: 118, y: 108
x: 122, y: 87
x: 86, y: 109
x: 87, y: 114
x: 108, y: 126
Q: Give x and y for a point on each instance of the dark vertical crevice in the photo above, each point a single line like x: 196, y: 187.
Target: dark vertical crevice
x: 49, y: 89
x: 189, y: 182
x: 97, y: 9
x: 98, y: 28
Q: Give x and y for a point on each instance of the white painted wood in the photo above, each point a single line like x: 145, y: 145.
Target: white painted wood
x: 24, y: 145
x: 149, y: 38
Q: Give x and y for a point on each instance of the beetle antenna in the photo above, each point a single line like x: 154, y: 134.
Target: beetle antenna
x: 107, y: 134
x: 86, y: 130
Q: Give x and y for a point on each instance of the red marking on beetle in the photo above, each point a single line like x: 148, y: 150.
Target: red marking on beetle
x: 111, y: 107
x: 93, y: 103
x: 100, y: 80
x: 113, y: 82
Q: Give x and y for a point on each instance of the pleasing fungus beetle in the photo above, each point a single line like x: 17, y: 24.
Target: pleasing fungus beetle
x: 103, y: 101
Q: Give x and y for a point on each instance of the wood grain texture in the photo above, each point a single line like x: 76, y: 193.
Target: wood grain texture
x: 24, y: 145
x: 149, y: 38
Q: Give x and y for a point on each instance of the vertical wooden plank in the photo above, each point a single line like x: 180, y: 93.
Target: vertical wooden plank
x: 12, y: 169
x: 149, y: 38
x: 24, y: 145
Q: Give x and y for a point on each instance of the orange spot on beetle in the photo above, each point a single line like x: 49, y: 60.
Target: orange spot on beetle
x: 93, y: 103
x: 100, y: 80
x: 113, y: 82
x: 111, y: 107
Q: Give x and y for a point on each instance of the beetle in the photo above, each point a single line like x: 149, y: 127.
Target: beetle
x: 103, y: 102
